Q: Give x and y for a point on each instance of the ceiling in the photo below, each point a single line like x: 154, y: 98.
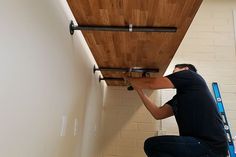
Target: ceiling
x: 112, y: 49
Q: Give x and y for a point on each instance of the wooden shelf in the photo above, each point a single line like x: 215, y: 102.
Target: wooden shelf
x: 134, y: 49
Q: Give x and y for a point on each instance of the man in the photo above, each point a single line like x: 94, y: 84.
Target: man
x: 200, y: 125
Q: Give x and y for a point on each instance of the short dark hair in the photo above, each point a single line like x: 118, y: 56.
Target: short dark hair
x: 190, y: 66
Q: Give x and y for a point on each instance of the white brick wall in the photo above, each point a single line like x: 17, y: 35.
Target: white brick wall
x: 126, y: 123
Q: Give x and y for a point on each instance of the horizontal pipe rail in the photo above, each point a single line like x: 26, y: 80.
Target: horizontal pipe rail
x: 134, y: 69
x: 129, y: 28
x: 110, y: 78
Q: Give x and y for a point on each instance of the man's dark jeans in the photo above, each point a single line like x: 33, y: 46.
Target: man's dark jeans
x: 177, y: 146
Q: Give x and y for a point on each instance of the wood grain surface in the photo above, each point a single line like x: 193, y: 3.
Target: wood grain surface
x: 134, y: 49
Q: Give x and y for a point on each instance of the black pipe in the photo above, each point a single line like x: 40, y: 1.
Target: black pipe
x: 129, y: 28
x: 111, y: 78
x: 134, y: 69
x: 110, y: 69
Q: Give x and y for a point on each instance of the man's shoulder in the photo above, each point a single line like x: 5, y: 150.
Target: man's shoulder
x: 186, y: 78
x: 187, y: 73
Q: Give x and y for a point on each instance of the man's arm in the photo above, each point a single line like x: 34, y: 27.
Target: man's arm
x: 151, y: 83
x: 157, y: 112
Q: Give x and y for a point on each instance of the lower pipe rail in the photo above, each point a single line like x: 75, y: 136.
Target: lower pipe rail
x: 111, y: 78
x: 145, y: 73
x: 133, y: 69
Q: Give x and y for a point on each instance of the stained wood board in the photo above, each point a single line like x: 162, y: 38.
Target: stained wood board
x: 134, y: 49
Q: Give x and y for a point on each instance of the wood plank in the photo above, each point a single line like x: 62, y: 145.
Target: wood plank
x: 134, y: 49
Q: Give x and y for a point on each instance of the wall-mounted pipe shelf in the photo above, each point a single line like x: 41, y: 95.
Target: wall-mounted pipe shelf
x: 129, y: 28
x: 114, y: 32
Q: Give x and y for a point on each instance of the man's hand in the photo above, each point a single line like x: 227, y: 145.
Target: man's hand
x: 125, y: 77
x: 129, y: 80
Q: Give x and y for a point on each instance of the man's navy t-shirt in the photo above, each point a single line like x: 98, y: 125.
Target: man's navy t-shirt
x: 196, y: 112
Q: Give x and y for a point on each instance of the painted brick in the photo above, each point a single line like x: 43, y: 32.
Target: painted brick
x: 141, y: 135
x: 223, y: 42
x: 143, y: 118
x: 199, y: 49
x: 124, y: 152
x: 223, y: 29
x: 147, y: 127
x: 126, y: 143
x: 228, y: 88
x: 130, y: 127
x: 202, y: 28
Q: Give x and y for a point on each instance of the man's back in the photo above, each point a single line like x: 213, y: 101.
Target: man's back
x: 195, y: 110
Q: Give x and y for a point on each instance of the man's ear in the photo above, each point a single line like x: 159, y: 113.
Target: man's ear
x: 186, y: 68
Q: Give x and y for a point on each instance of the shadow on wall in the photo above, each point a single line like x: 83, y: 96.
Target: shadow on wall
x: 87, y: 106
x: 92, y: 119
x: 90, y: 99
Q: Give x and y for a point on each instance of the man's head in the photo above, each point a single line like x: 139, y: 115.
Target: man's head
x: 180, y: 67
